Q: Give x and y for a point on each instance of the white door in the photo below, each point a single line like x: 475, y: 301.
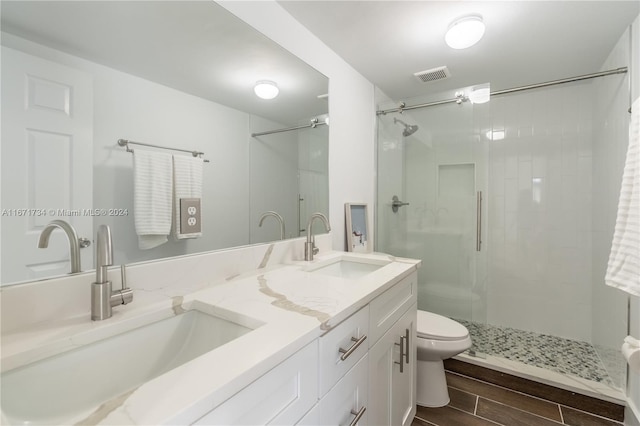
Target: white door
x: 47, y: 163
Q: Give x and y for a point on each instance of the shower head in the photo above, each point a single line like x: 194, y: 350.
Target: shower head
x: 408, y: 129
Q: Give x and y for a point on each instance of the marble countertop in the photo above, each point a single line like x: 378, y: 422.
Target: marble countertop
x: 293, y: 304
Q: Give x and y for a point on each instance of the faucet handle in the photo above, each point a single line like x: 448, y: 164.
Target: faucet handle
x: 126, y: 292
x: 123, y: 275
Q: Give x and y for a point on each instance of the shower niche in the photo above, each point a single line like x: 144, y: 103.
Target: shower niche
x: 456, y: 180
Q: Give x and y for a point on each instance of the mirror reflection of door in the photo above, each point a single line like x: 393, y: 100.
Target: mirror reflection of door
x: 47, y: 163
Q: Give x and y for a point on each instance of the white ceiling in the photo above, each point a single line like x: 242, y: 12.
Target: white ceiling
x: 193, y: 46
x: 525, y: 42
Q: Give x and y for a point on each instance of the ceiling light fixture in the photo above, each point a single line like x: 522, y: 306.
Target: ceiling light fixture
x: 495, y: 135
x: 266, y: 89
x: 465, y: 32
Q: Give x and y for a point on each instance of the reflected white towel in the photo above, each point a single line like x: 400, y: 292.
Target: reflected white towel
x: 623, y: 270
x: 152, y: 197
x: 187, y: 183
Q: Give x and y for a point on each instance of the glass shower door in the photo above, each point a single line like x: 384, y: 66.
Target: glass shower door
x: 432, y: 181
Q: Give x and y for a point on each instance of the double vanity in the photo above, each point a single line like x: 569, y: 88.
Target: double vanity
x: 244, y: 336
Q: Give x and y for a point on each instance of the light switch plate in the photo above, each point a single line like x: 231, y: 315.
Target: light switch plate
x: 190, y: 216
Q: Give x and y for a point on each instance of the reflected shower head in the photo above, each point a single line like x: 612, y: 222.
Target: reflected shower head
x: 408, y: 129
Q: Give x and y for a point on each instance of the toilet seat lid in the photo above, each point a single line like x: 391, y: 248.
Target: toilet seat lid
x: 437, y: 327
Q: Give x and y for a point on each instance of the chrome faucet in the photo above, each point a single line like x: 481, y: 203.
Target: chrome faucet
x: 102, y: 297
x: 74, y: 242
x: 277, y: 216
x: 310, y: 246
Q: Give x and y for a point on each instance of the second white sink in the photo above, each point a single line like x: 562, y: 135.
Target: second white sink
x: 57, y: 388
x: 349, y: 267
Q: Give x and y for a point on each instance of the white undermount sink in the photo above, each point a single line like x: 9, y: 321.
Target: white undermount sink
x: 349, y: 267
x: 76, y: 381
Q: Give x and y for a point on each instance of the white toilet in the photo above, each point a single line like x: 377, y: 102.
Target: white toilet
x: 439, y: 338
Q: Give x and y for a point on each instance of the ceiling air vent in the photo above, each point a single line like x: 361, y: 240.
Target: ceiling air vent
x: 433, y: 74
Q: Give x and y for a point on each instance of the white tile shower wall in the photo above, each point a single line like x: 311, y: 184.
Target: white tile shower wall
x: 540, y: 211
x: 441, y: 177
x: 391, y: 231
x: 611, y: 123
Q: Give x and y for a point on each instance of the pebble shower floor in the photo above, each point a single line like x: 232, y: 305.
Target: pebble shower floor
x: 553, y: 353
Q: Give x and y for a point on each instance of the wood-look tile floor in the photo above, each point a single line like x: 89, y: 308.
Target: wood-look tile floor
x: 478, y: 403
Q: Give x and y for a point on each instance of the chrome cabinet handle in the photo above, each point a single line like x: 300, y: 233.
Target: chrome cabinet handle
x: 402, y: 354
x: 406, y: 341
x: 357, y: 342
x: 358, y: 415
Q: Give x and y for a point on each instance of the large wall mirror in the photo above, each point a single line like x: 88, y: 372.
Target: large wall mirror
x: 78, y: 76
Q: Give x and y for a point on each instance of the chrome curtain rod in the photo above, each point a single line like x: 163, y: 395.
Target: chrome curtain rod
x: 403, y: 107
x: 126, y: 143
x: 314, y: 123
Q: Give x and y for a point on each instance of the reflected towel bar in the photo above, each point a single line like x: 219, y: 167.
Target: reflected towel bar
x: 126, y: 143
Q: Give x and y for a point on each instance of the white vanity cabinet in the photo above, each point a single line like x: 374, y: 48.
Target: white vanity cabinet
x: 381, y: 388
x: 361, y: 372
x: 279, y: 397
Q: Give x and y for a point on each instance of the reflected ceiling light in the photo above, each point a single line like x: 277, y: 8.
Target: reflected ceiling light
x: 465, y: 32
x: 495, y: 135
x: 266, y: 89
x: 480, y: 94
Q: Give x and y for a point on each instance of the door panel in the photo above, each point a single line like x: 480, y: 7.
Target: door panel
x: 47, y: 163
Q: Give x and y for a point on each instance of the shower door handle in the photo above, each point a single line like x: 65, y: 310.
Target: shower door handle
x: 479, y: 221
x: 395, y: 203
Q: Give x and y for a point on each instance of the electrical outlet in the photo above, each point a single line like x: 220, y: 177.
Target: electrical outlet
x: 190, y: 215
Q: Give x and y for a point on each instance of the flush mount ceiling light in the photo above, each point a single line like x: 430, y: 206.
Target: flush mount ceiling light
x: 465, y: 32
x: 495, y: 135
x: 266, y: 89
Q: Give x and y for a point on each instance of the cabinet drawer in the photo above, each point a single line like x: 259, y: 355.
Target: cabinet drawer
x: 345, y: 401
x: 342, y: 347
x: 387, y: 308
x: 280, y: 397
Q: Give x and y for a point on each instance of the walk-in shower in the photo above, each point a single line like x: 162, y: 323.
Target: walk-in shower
x: 506, y: 211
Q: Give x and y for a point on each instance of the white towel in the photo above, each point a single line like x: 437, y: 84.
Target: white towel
x: 152, y: 197
x: 187, y: 183
x: 623, y: 270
